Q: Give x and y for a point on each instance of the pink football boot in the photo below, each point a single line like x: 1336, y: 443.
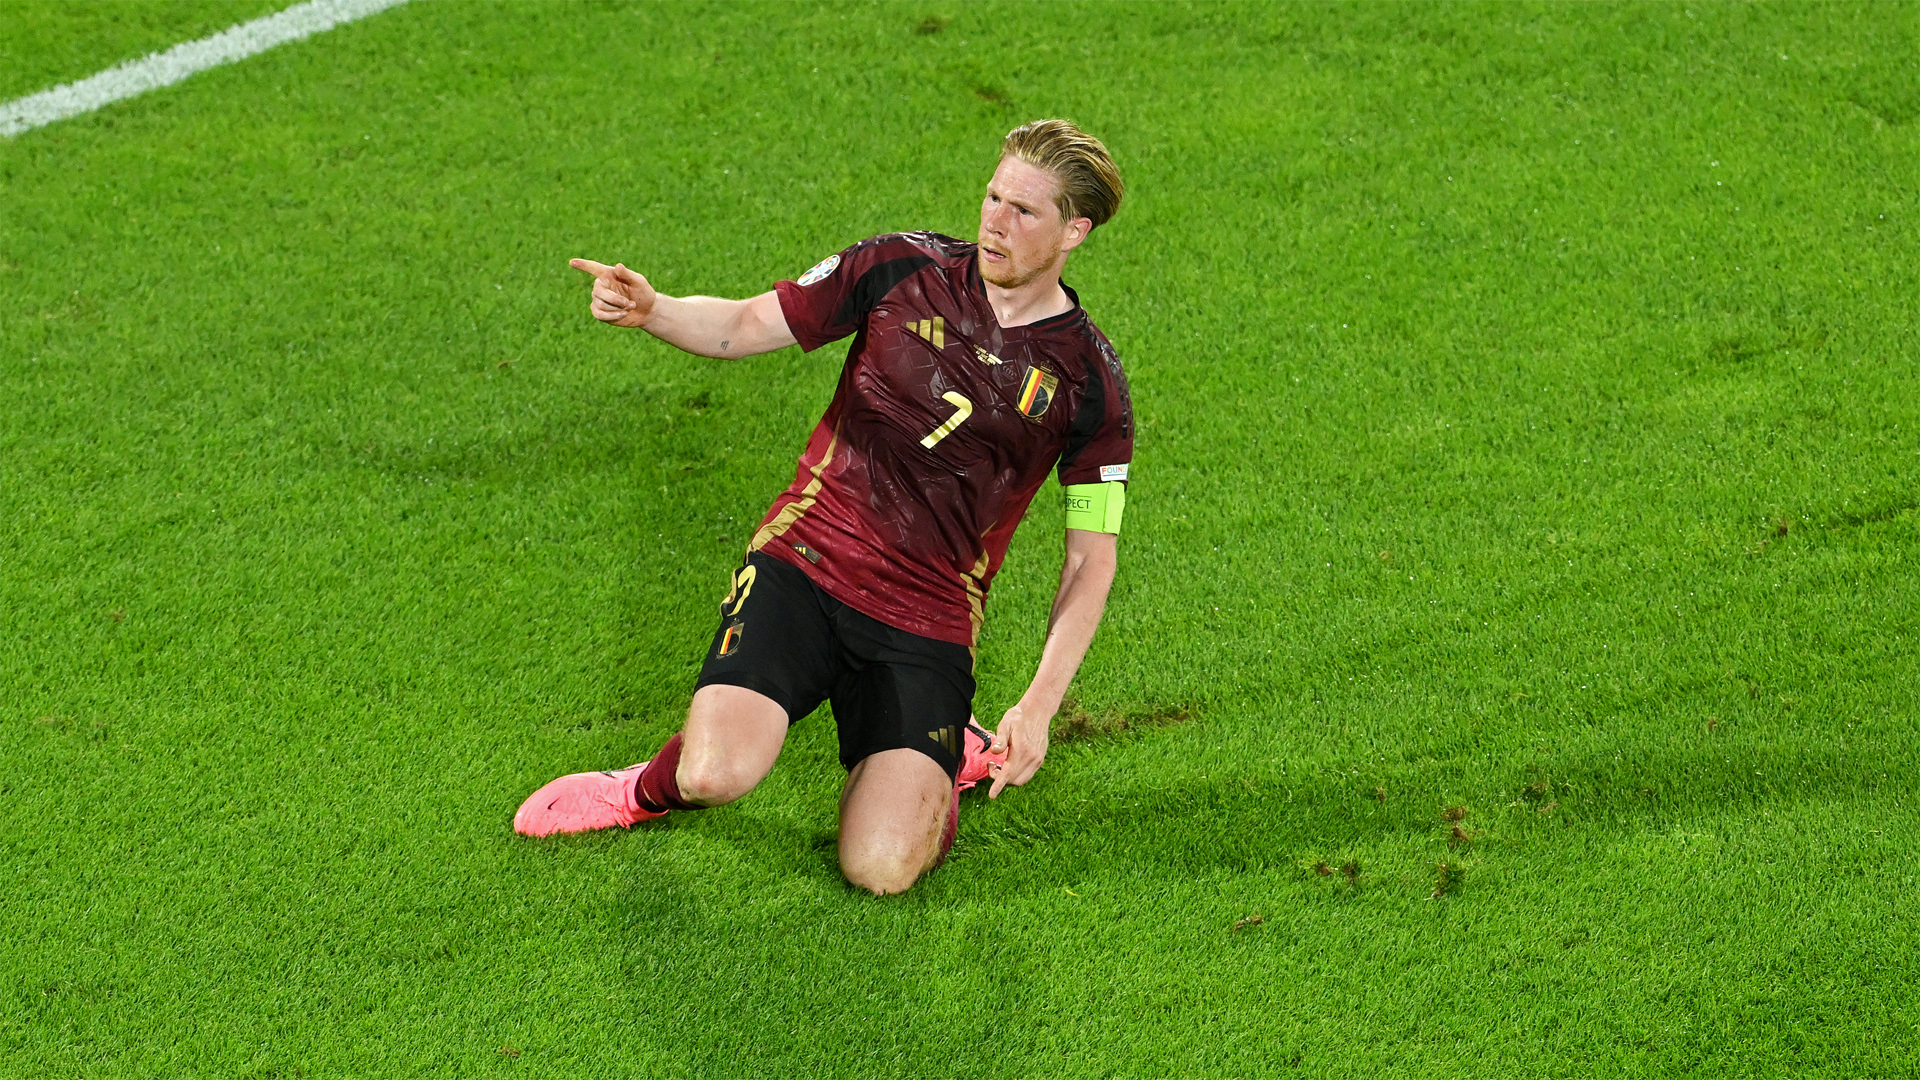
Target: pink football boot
x: 582, y: 802
x: 977, y: 762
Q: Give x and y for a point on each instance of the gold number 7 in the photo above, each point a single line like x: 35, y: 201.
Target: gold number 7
x: 965, y: 409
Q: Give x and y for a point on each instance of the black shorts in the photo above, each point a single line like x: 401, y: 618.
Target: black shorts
x: 782, y: 636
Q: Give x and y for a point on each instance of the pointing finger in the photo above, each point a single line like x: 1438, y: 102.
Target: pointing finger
x: 591, y: 267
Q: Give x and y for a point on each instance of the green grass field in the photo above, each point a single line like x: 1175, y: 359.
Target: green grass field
x: 1529, y: 410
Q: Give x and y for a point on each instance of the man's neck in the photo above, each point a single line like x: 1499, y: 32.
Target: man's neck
x: 1041, y: 298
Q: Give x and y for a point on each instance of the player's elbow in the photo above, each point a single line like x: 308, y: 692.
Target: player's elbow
x: 1102, y: 563
x: 763, y: 325
x: 1092, y: 561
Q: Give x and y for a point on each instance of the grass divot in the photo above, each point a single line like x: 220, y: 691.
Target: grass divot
x: 1075, y: 723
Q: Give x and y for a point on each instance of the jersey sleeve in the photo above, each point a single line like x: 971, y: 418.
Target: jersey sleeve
x: 832, y: 300
x: 1100, y: 443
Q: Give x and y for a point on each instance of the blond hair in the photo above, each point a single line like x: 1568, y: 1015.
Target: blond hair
x: 1090, y: 185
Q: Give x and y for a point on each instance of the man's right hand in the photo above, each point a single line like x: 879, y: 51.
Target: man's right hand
x: 620, y: 296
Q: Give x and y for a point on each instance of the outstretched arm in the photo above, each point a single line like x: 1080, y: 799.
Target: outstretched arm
x: 703, y: 325
x: 1085, y: 577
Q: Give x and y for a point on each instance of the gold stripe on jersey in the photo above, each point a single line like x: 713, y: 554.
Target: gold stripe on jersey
x: 794, y: 510
x: 934, y: 330
x: 976, y: 597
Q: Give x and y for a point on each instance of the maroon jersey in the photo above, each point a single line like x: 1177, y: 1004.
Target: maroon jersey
x: 942, y: 428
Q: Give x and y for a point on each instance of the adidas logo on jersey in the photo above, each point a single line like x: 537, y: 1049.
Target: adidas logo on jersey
x: 934, y: 330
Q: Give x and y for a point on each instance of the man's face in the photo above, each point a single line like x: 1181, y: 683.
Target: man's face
x: 1022, y: 232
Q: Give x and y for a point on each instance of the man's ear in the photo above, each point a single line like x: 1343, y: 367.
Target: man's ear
x: 1077, y: 230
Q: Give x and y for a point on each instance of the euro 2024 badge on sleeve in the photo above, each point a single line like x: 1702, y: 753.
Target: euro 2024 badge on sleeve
x: 820, y: 270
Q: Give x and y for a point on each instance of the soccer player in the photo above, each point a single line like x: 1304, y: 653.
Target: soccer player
x: 973, y: 371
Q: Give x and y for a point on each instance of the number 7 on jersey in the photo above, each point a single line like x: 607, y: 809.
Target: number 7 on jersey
x: 965, y: 409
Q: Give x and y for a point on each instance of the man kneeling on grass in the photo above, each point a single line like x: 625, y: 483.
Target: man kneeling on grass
x: 973, y: 371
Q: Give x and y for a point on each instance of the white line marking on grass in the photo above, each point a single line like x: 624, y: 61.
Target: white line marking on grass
x: 165, y: 68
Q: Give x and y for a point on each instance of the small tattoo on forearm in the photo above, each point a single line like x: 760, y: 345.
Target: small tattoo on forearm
x: 723, y: 345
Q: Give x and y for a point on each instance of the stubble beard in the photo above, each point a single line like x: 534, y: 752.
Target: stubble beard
x: 1007, y: 275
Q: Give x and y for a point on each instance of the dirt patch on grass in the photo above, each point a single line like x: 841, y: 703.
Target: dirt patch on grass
x: 1076, y: 723
x: 993, y: 95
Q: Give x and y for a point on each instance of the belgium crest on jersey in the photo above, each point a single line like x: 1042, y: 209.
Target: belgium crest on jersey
x: 1036, y: 392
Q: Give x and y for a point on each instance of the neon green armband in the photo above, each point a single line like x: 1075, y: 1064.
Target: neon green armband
x: 1096, y: 507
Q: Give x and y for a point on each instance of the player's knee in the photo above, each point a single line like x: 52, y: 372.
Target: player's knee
x: 712, y: 783
x: 882, y: 873
x: 881, y: 880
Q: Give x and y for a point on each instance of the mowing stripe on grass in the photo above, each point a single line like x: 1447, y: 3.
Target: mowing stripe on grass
x: 165, y: 68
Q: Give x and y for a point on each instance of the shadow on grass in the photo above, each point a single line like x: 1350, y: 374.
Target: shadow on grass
x: 1079, y: 824
x: 1238, y: 825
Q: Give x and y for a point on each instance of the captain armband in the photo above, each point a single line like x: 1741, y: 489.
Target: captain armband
x: 1096, y: 507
